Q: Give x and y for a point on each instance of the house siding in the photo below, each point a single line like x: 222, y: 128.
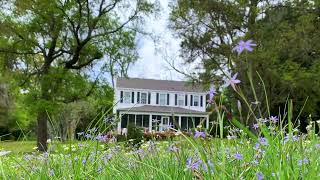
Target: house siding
x: 153, y: 93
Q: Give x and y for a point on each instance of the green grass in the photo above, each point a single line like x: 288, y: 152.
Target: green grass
x: 18, y: 146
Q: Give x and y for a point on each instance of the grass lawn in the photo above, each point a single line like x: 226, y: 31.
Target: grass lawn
x: 18, y: 146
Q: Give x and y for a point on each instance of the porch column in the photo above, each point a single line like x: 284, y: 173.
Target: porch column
x: 180, y: 122
x: 119, y: 123
x: 150, y: 122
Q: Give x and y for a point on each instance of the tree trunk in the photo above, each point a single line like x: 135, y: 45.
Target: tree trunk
x: 42, y: 118
x: 42, y: 131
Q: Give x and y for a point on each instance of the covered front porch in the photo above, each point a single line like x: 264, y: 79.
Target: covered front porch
x: 168, y: 117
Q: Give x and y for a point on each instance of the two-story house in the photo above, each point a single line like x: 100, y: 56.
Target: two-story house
x: 159, y: 104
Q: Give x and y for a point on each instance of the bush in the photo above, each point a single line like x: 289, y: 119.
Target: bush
x: 135, y: 134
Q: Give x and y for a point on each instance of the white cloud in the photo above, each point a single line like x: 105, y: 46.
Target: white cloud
x: 151, y: 63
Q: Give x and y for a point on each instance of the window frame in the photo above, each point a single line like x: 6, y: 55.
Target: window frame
x: 165, y: 99
x: 196, y: 99
x: 179, y: 98
x: 146, y: 102
x: 125, y: 99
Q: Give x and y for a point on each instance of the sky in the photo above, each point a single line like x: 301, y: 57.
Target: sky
x: 152, y: 64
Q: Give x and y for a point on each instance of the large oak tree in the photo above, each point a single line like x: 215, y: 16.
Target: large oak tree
x: 68, y: 35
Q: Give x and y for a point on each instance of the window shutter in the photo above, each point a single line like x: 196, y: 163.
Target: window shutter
x: 138, y: 97
x: 201, y: 101
x: 149, y: 98
x: 186, y: 100
x: 132, y: 98
x: 176, y: 99
x: 121, y: 96
x: 157, y: 98
x: 191, y: 100
x: 168, y: 99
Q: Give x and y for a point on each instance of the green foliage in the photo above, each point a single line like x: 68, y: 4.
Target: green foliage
x: 287, y: 55
x: 135, y: 135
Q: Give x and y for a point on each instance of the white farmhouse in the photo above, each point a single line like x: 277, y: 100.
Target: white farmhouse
x: 156, y: 105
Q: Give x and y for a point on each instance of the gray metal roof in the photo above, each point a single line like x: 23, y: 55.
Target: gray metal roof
x: 153, y: 84
x: 163, y: 109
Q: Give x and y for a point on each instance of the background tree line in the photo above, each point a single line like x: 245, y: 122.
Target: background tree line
x: 287, y: 55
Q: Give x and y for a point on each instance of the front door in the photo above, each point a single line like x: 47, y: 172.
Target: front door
x: 164, y: 123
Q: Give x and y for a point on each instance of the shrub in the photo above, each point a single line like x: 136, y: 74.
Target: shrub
x: 135, y: 134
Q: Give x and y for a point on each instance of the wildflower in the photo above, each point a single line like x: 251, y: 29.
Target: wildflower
x: 255, y: 162
x: 93, y: 130
x: 255, y: 126
x: 101, y: 138
x: 80, y: 133
x: 244, y: 45
x: 231, y: 137
x: 99, y: 170
x: 273, y: 119
x: 257, y: 146
x: 51, y: 172
x: 48, y: 141
x: 263, y: 141
x: 193, y: 165
x: 239, y: 106
x: 238, y: 156
x: 88, y: 136
x: 3, y: 153
x: 232, y: 81
x: 211, y: 93
x: 317, y: 146
x: 273, y: 174
x: 303, y: 162
x: 84, y: 161
x: 173, y: 148
x: 293, y: 138
x: 200, y: 134
x: 260, y: 176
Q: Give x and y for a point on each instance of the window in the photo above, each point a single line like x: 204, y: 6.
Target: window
x: 163, y: 99
x: 181, y: 99
x: 127, y: 97
x: 196, y: 100
x: 143, y: 98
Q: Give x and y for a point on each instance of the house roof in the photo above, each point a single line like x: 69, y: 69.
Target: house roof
x: 163, y: 109
x: 153, y: 84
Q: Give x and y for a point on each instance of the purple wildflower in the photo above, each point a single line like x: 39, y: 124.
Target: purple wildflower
x: 257, y: 146
x: 238, y: 156
x: 173, y: 148
x: 244, y: 45
x: 303, y: 161
x: 101, y: 138
x: 317, y: 146
x: 88, y: 136
x: 232, y: 81
x: 255, y: 126
x: 263, y: 141
x: 200, y: 134
x: 211, y: 93
x: 260, y: 176
x: 193, y: 165
x: 293, y: 138
x: 84, y: 161
x: 255, y: 162
x: 273, y: 119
